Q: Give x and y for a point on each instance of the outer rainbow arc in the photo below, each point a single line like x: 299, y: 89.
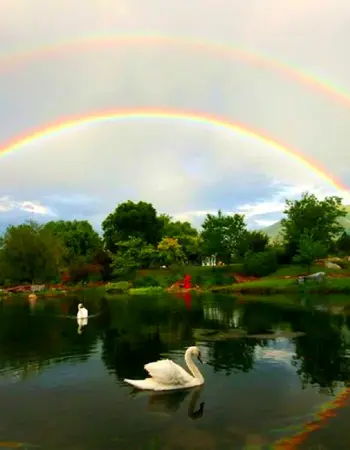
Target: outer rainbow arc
x: 168, y: 114
x: 187, y: 42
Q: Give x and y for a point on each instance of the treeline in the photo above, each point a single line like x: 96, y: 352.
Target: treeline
x: 136, y: 237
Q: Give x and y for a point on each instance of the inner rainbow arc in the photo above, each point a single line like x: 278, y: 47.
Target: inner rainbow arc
x: 207, y: 120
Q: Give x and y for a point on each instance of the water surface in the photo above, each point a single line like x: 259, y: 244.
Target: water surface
x: 269, y: 370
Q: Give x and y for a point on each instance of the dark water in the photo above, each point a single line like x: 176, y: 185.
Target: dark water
x: 61, y: 386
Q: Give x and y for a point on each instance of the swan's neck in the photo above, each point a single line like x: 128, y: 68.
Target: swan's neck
x: 192, y: 367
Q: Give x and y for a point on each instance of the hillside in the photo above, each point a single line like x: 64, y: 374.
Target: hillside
x: 273, y: 230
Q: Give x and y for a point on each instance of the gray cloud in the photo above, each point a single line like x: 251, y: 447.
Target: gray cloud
x: 181, y: 167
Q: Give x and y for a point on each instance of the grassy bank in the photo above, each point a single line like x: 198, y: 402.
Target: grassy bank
x: 269, y: 286
x: 227, y: 279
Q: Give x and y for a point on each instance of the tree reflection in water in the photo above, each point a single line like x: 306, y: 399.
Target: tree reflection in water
x: 135, y: 331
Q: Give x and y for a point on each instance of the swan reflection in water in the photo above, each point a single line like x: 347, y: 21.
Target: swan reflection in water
x: 81, y: 324
x: 163, y: 402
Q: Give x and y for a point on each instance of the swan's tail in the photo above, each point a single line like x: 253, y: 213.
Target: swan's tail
x: 146, y: 384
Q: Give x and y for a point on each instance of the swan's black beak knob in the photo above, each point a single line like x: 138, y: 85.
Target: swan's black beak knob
x: 199, y: 357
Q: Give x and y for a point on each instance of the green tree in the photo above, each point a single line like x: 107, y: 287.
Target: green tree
x: 260, y: 264
x: 31, y: 253
x: 132, y: 254
x: 129, y: 219
x: 79, y: 238
x: 222, y: 235
x: 176, y: 228
x: 253, y: 242
x: 103, y: 259
x: 186, y: 235
x: 319, y: 218
x: 309, y: 250
x: 343, y: 243
x: 171, y: 251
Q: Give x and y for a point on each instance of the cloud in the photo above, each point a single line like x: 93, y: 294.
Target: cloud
x: 277, y: 203
x: 185, y: 169
x: 7, y: 204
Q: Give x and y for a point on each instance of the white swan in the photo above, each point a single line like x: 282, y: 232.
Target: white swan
x: 166, y: 375
x: 82, y: 312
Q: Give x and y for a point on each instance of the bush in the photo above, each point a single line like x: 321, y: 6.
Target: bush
x: 283, y: 256
x: 146, y: 281
x: 260, y: 264
x: 146, y: 290
x: 85, y: 272
x: 119, y: 287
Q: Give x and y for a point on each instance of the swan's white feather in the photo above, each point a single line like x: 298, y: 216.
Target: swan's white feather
x: 82, y: 313
x: 166, y: 371
x: 166, y: 375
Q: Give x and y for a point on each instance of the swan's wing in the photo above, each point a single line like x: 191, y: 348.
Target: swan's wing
x: 166, y: 371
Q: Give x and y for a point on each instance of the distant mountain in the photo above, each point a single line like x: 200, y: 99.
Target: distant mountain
x: 273, y: 230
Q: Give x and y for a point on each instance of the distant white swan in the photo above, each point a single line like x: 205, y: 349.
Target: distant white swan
x: 82, y: 312
x: 166, y: 375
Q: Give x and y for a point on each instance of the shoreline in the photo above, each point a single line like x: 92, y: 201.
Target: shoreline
x: 273, y: 284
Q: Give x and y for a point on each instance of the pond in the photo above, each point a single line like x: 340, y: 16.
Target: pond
x: 276, y: 374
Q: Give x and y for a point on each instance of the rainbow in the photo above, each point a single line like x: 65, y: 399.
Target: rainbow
x: 287, y: 70
x: 321, y: 417
x: 67, y: 124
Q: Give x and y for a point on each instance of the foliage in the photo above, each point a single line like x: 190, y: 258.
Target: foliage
x: 146, y: 281
x: 282, y: 255
x: 146, y: 290
x: 343, y: 243
x: 30, y: 253
x: 260, y: 264
x: 318, y: 218
x: 103, y: 259
x: 170, y: 251
x: 253, y: 242
x: 309, y: 250
x: 120, y: 286
x: 222, y: 235
x: 85, y: 272
x: 132, y: 220
x: 78, y: 236
x: 176, y: 229
x: 186, y: 235
x: 217, y: 278
x: 131, y: 255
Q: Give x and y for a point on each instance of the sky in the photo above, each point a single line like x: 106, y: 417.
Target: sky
x: 48, y: 74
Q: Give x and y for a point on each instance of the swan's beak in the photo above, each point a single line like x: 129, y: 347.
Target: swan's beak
x: 199, y: 357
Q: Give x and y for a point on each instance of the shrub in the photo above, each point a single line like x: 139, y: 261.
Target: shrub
x: 146, y: 281
x: 260, y: 264
x: 283, y: 256
x: 85, y: 272
x: 120, y: 286
x: 146, y: 290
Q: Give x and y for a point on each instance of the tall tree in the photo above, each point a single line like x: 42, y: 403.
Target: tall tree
x: 309, y: 215
x: 309, y: 250
x: 186, y: 235
x: 253, y: 242
x: 31, y: 253
x: 171, y: 251
x: 131, y: 255
x: 222, y: 235
x: 343, y: 243
x: 78, y: 236
x: 129, y: 219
